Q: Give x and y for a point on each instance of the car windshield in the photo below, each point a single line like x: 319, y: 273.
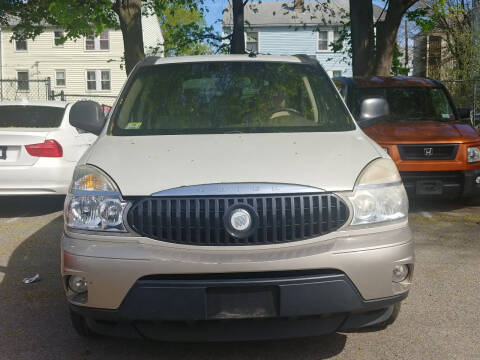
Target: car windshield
x: 27, y: 116
x: 227, y: 97
x: 409, y: 103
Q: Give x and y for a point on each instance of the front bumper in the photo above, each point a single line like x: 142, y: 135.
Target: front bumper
x: 343, y: 280
x: 240, y: 307
x: 449, y: 184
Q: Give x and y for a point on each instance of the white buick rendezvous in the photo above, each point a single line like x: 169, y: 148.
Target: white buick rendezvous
x: 233, y: 198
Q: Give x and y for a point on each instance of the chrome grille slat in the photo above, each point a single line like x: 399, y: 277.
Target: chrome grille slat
x: 199, y: 220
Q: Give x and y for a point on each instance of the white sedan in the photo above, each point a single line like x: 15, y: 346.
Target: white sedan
x: 38, y: 147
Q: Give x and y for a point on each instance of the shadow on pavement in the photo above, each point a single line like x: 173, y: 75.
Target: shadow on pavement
x: 35, y: 324
x: 21, y: 206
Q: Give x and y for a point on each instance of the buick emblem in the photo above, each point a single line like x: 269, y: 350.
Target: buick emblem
x: 240, y: 220
x: 428, y: 151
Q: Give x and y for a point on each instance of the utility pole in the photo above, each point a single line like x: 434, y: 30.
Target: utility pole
x: 406, y: 43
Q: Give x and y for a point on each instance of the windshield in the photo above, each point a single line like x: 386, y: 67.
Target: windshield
x: 408, y: 103
x: 31, y: 116
x: 227, y: 97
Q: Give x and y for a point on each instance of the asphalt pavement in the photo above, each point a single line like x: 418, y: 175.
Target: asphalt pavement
x: 439, y: 320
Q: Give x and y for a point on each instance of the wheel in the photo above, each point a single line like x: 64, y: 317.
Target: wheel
x: 80, y: 325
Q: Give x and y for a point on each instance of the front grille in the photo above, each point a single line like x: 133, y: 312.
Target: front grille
x: 199, y: 220
x: 428, y: 151
x: 446, y: 177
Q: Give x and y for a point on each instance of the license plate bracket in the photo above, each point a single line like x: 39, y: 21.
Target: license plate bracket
x: 3, y: 153
x: 240, y: 302
x: 429, y: 187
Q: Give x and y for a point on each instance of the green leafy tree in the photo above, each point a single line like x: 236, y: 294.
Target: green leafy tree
x: 183, y: 30
x: 451, y: 20
x: 398, y: 68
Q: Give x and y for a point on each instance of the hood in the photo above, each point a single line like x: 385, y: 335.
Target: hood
x: 422, y: 131
x: 143, y: 165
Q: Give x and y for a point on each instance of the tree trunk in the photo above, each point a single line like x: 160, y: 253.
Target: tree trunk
x: 130, y: 15
x: 238, y: 35
x: 363, y: 41
x: 387, y: 35
x: 386, y: 39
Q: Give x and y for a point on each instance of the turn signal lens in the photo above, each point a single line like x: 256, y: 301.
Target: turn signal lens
x: 49, y: 148
x: 94, y: 202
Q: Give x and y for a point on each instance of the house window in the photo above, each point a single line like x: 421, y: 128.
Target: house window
x: 336, y: 73
x: 336, y: 38
x: 21, y: 45
x: 22, y: 80
x: 252, y: 42
x: 97, y: 43
x: 60, y: 78
x: 98, y: 80
x: 322, y: 40
x: 57, y: 35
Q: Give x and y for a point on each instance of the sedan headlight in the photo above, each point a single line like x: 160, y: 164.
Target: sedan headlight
x: 473, y: 154
x: 94, y: 202
x: 379, y: 195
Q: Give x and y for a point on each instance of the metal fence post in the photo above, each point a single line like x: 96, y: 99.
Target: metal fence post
x: 49, y: 87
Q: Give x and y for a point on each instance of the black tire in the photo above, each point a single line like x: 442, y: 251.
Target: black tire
x: 80, y: 325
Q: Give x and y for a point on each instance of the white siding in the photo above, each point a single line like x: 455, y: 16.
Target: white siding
x: 288, y: 41
x: 42, y: 59
x: 152, y: 35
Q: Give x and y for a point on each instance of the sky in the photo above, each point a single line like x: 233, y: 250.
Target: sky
x: 215, y: 8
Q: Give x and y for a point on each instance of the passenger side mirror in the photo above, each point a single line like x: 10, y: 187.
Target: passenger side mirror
x: 373, y: 111
x: 464, y: 113
x: 87, y: 116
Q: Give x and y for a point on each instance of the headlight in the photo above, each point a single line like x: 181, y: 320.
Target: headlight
x: 473, y: 154
x: 94, y: 202
x: 379, y: 195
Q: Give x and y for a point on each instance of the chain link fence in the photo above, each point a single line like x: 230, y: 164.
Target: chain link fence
x: 466, y: 94
x: 101, y: 99
x: 28, y: 89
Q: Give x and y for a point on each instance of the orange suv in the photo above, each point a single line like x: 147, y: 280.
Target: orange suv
x: 435, y: 148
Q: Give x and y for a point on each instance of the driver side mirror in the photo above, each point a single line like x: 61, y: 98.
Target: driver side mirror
x: 87, y: 116
x: 373, y: 111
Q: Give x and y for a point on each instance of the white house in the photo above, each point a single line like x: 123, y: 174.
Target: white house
x: 88, y: 67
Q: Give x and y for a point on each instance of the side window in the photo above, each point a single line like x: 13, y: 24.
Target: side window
x: 440, y: 104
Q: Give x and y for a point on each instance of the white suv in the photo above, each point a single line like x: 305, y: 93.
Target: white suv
x: 233, y: 197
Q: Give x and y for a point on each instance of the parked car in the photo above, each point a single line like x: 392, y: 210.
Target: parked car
x: 38, y: 147
x: 432, y: 142
x: 232, y: 198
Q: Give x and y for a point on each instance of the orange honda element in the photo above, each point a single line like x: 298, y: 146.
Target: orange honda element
x: 432, y: 142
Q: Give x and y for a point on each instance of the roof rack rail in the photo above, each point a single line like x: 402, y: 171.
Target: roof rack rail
x: 307, y: 59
